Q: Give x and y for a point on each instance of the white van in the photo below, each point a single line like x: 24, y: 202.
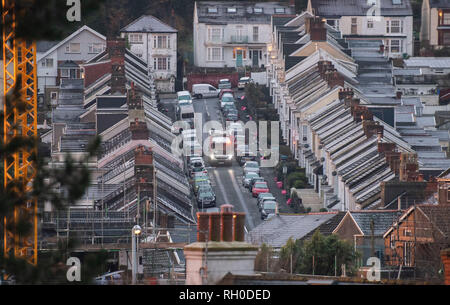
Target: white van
x: 204, y: 91
x: 184, y: 97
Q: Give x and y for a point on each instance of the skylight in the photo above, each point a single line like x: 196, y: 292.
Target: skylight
x: 279, y: 10
x: 258, y: 10
x: 212, y: 9
x: 396, y: 1
x: 231, y: 10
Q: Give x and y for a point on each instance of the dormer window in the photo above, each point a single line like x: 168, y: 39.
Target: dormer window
x: 231, y: 10
x: 279, y: 10
x: 258, y: 10
x: 212, y: 10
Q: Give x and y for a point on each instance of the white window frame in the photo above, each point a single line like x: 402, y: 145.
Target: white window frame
x: 210, y: 54
x: 255, y: 34
x: 55, y: 93
x: 95, y: 48
x: 212, y: 34
x: 161, y: 63
x: 69, y: 47
x: 369, y: 23
x: 161, y: 42
x: 63, y: 74
x: 135, y: 38
x: 390, y: 27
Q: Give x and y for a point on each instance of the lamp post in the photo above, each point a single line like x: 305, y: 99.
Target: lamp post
x: 135, y: 232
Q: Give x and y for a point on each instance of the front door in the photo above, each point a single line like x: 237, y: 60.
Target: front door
x: 255, y: 58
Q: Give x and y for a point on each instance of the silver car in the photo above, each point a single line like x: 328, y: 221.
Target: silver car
x: 247, y: 178
x: 251, y: 166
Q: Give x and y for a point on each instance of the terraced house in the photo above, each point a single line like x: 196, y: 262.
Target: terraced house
x: 388, y: 20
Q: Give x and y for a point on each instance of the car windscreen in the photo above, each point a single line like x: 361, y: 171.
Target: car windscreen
x: 206, y: 195
x: 270, y: 205
x: 227, y: 98
x: 254, y: 165
x: 184, y: 97
x: 188, y: 115
x: 260, y: 185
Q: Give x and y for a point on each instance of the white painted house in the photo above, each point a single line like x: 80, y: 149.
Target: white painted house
x: 231, y: 34
x: 390, y: 21
x: 56, y: 60
x: 155, y: 42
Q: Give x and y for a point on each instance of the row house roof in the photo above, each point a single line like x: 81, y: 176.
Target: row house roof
x: 339, y: 8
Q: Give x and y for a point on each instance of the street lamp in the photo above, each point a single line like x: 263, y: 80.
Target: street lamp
x: 135, y: 232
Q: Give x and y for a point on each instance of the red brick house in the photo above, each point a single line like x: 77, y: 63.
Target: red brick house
x: 421, y: 233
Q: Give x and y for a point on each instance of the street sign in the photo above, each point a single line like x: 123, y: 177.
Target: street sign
x: 285, y: 170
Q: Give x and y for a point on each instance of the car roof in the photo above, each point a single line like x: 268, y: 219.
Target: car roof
x: 227, y: 94
x: 245, y: 77
x: 266, y: 195
x: 183, y: 93
x: 224, y: 79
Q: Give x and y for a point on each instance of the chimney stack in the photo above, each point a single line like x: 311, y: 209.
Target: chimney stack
x: 116, y: 50
x: 372, y: 128
x: 316, y: 29
x: 398, y: 95
x: 225, y: 226
x: 139, y: 130
x: 346, y: 93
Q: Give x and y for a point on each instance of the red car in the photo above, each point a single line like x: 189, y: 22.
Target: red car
x: 223, y: 91
x: 259, y: 187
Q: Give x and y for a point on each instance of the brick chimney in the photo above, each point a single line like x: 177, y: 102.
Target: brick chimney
x: 398, y: 95
x: 324, y: 65
x: 372, y: 128
x: 386, y: 147
x: 445, y: 256
x: 139, y: 130
x: 143, y: 169
x: 443, y: 190
x: 346, y: 93
x: 316, y: 29
x: 220, y: 246
x: 134, y: 98
x: 116, y: 50
x: 409, y: 167
x: 334, y: 78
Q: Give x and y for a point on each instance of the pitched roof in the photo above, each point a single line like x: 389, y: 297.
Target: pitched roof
x: 45, y: 45
x: 68, y: 38
x: 244, y: 11
x: 327, y: 227
x: 337, y: 8
x: 278, y: 229
x: 382, y: 220
x: 439, y: 215
x: 148, y: 24
x: 440, y: 3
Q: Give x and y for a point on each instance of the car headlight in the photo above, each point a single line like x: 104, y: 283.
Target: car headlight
x: 230, y: 157
x: 212, y: 157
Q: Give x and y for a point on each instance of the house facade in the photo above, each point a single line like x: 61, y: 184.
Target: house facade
x: 234, y: 34
x: 435, y: 23
x: 60, y: 60
x: 389, y: 21
x: 155, y: 42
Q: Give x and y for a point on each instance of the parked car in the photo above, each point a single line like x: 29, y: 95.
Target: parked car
x: 263, y: 195
x: 244, y: 81
x: 253, y: 181
x: 224, y: 84
x: 244, y: 154
x: 200, y: 169
x: 268, y: 208
x: 200, y: 182
x: 260, y: 203
x: 228, y: 107
x: 227, y: 99
x: 184, y: 97
x: 259, y: 187
x: 232, y: 115
x: 223, y: 91
x: 204, y: 91
x: 206, y: 199
x: 247, y: 178
x: 251, y: 166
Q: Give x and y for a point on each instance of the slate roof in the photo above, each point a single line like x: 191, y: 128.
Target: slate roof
x: 278, y: 229
x: 148, y: 24
x: 337, y: 8
x: 439, y: 215
x: 244, y: 12
x: 382, y: 220
x: 427, y: 62
x: 327, y: 227
x: 45, y: 45
x: 440, y: 3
